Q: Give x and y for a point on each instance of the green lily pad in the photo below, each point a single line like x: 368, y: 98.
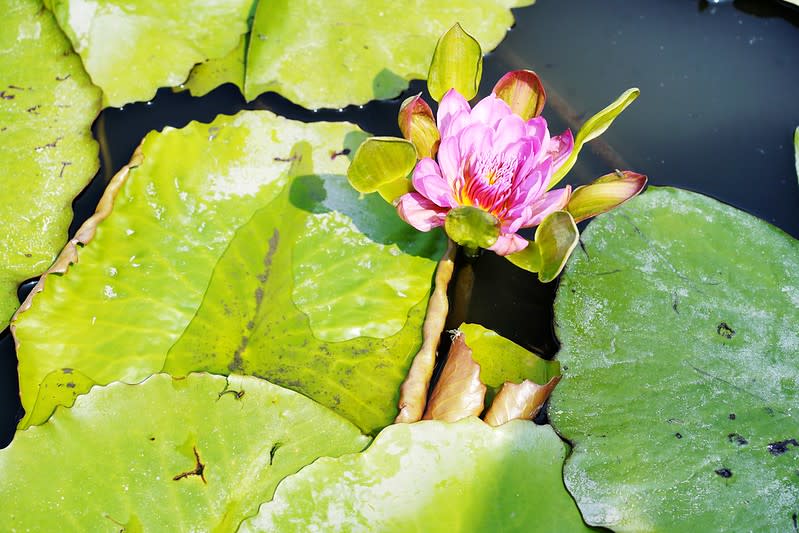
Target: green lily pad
x: 194, y: 454
x: 358, y: 51
x: 140, y: 281
x: 209, y: 75
x: 132, y: 48
x: 503, y: 360
x: 679, y: 325
x: 320, y: 292
x: 47, y: 154
x: 432, y: 476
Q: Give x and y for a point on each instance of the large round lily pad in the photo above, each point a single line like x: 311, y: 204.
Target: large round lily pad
x: 680, y: 329
x: 132, y: 48
x: 432, y: 476
x: 311, y: 287
x: 194, y: 454
x: 47, y: 154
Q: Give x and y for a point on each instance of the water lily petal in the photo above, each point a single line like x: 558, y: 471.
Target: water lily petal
x: 509, y: 243
x: 474, y: 139
x: 551, y: 201
x: 560, y: 146
x: 534, y: 185
x: 420, y: 212
x: 510, y: 129
x: 537, y: 127
x: 452, y: 106
x: 490, y: 111
x: 428, y: 181
x: 449, y: 159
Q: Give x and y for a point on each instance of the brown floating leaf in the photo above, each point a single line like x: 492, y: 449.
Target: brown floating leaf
x: 459, y: 392
x: 522, y: 401
x: 413, y: 393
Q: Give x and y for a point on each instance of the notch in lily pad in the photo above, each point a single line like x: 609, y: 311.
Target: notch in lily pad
x: 472, y: 227
x: 605, y: 193
x: 523, y: 91
x: 457, y: 64
x: 418, y: 125
x: 382, y: 164
x: 555, y: 240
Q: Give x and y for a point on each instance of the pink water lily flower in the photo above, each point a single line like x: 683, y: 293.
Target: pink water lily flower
x: 492, y: 159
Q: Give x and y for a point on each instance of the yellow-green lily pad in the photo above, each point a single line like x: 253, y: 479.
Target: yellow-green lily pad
x: 132, y: 48
x: 325, y: 55
x: 47, y: 154
x: 432, y: 476
x: 194, y: 454
x: 207, y: 255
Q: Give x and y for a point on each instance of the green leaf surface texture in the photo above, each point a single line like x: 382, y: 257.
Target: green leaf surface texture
x: 432, y: 476
x: 503, y: 360
x: 209, y: 75
x: 47, y: 154
x: 132, y: 48
x: 321, y: 55
x: 140, y: 281
x: 194, y: 454
x: 321, y: 292
x: 680, y: 342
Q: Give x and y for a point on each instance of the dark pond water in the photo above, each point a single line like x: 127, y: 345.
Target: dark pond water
x: 716, y: 114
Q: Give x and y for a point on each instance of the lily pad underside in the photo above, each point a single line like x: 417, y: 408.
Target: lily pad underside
x: 322, y: 55
x: 432, y: 476
x: 680, y: 343
x: 225, y: 232
x: 118, y: 460
x: 47, y: 154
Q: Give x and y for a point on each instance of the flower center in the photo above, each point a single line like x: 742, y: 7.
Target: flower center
x: 495, y: 168
x: 488, y: 182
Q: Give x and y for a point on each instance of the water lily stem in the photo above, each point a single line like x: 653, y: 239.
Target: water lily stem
x: 464, y: 283
x: 413, y: 393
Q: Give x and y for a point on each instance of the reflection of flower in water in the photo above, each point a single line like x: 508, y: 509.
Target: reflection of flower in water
x: 492, y: 159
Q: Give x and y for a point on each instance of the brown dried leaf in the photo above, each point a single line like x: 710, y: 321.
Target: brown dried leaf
x: 522, y: 400
x: 459, y: 392
x: 413, y: 393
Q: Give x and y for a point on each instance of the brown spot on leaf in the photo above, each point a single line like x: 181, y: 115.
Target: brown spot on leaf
x: 780, y: 447
x: 71, y: 385
x: 724, y: 472
x: 63, y: 78
x: 275, y: 447
x: 236, y: 365
x: 64, y: 165
x: 199, y: 468
x: 737, y: 439
x: 5, y: 96
x: 725, y: 330
x: 334, y: 154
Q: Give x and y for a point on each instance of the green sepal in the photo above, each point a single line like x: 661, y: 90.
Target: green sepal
x: 604, y: 193
x: 556, y: 238
x: 382, y: 164
x: 593, y: 128
x: 471, y: 227
x: 457, y: 64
